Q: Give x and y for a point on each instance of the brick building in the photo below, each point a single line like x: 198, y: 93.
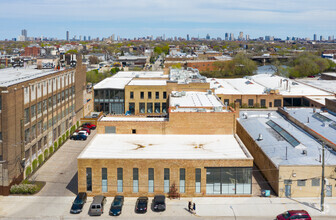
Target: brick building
x: 37, y: 107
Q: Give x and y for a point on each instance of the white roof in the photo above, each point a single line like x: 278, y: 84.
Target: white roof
x: 330, y: 74
x: 294, y: 88
x: 320, y: 99
x: 194, y: 99
x: 326, y: 85
x: 12, y: 76
x: 112, y: 83
x: 128, y: 118
x: 125, y: 146
x: 149, y: 82
x: 140, y: 74
x: 236, y: 86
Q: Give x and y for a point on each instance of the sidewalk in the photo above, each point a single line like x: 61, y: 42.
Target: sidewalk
x: 257, y: 206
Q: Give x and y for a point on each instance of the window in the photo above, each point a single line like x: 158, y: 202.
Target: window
x: 157, y: 95
x: 33, y: 111
x: 27, y: 135
x: 250, y: 102
x: 240, y: 102
x: 226, y: 101
x: 142, y: 107
x: 33, y: 131
x: 110, y: 129
x: 0, y: 103
x: 157, y: 107
x: 131, y: 95
x: 26, y: 115
x: 142, y: 95
x: 277, y: 102
x: 119, y: 179
x: 301, y: 182
x: 182, y: 180
x: 54, y: 100
x: 131, y: 108
x: 198, y: 180
x: 149, y: 107
x: 0, y: 136
x: 287, y: 182
x: 88, y: 179
x: 150, y: 180
x: 164, y: 107
x: 62, y: 95
x: 58, y: 98
x: 164, y: 95
x: 104, y: 179
x: 263, y: 103
x: 316, y: 182
x: 44, y: 105
x: 166, y: 180
x: 288, y: 137
x: 270, y: 104
x: 149, y: 95
x: 135, y: 180
x: 133, y: 131
x: 39, y: 108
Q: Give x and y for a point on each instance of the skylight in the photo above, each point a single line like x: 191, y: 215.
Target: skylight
x: 289, y: 138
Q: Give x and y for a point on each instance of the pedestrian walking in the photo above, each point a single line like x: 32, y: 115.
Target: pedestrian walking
x: 194, y: 208
x: 189, y: 206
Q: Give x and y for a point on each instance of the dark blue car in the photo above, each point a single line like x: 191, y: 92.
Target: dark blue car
x: 78, y: 204
x: 78, y: 137
x: 117, y: 205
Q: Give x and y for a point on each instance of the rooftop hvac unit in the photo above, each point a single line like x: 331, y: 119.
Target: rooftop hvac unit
x: 209, y: 92
x: 201, y: 110
x: 176, y: 94
x: 183, y: 93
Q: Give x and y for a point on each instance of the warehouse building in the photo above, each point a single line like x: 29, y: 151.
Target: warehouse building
x: 288, y: 157
x: 37, y: 106
x: 196, y: 165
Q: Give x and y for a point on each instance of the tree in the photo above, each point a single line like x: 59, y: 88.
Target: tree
x: 72, y: 51
x: 93, y: 59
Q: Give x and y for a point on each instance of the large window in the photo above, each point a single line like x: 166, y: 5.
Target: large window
x: 88, y: 179
x: 149, y: 95
x: 228, y: 180
x: 119, y: 179
x: 44, y: 105
x: 316, y: 182
x: 164, y: 95
x: 131, y: 108
x: 157, y: 95
x: 150, y: 180
x: 157, y: 107
x: 250, y: 103
x: 149, y: 107
x: 198, y: 180
x: 301, y: 182
x: 263, y: 103
x: 26, y: 115
x: 142, y: 95
x: 166, y: 180
x: 104, y: 179
x: 135, y: 180
x: 142, y: 107
x: 131, y: 95
x: 164, y: 107
x: 182, y: 180
x: 111, y: 101
x: 33, y: 111
x: 39, y: 108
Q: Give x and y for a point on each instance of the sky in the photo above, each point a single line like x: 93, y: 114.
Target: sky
x: 135, y: 18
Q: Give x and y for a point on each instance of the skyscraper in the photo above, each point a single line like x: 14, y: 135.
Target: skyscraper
x: 315, y: 37
x: 241, y: 36
x: 188, y: 38
x: 67, y: 35
x: 24, y: 33
x: 226, y: 36
x: 247, y: 37
x: 232, y: 37
x: 208, y: 37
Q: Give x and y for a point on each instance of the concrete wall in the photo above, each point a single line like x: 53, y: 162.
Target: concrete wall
x: 256, y: 99
x: 331, y: 104
x: 143, y: 165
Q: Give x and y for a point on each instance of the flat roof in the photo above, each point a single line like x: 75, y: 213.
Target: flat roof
x: 327, y: 85
x: 140, y: 74
x: 112, y: 83
x: 126, y: 146
x: 320, y: 99
x: 280, y: 83
x: 147, y: 82
x: 194, y: 100
x: 274, y: 145
x: 129, y: 118
x: 330, y: 74
x: 12, y: 76
x: 302, y: 115
x: 236, y: 86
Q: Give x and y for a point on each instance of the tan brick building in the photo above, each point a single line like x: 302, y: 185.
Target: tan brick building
x: 37, y: 107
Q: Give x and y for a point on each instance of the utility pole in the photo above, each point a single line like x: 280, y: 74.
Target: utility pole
x: 322, y: 187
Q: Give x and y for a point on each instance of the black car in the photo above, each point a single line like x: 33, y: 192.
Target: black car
x: 117, y: 205
x: 141, y: 205
x: 79, y: 202
x: 159, y: 203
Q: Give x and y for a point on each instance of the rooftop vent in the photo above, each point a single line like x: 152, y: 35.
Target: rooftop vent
x: 209, y: 92
x: 304, y: 152
x: 260, y: 137
x: 269, y: 115
x: 245, y: 115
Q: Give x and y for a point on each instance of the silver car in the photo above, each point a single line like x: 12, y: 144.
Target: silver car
x: 97, y: 206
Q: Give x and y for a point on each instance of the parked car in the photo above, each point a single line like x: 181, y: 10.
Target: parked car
x: 141, y: 205
x: 89, y: 125
x: 78, y: 203
x: 81, y: 132
x: 97, y: 205
x: 76, y: 136
x: 294, y: 214
x: 159, y: 203
x: 117, y: 205
x: 84, y: 129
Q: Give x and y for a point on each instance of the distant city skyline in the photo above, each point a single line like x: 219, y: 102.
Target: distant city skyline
x: 129, y: 19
